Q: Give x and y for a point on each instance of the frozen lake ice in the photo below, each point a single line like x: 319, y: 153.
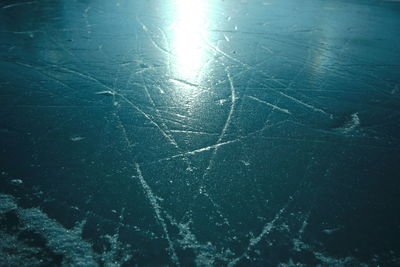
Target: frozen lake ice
x: 199, y: 133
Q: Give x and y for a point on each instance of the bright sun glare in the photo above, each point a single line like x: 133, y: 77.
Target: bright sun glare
x: 189, y: 29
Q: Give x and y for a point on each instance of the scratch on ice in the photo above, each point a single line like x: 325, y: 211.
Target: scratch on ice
x: 158, y: 210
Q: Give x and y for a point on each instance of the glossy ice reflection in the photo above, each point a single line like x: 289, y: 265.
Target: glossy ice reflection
x: 188, y: 59
x: 187, y: 33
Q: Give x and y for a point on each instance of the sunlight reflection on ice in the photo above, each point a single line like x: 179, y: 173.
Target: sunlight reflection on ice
x: 189, y: 28
x: 187, y: 45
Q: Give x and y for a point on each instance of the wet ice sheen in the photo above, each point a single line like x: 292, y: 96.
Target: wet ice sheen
x: 199, y: 133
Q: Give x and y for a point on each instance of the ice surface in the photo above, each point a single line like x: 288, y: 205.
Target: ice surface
x: 199, y: 133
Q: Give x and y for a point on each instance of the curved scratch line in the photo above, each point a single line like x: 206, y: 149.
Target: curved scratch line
x: 157, y: 209
x: 147, y: 116
x: 226, y: 125
x: 218, y: 50
x: 268, y: 227
x: 220, y: 138
x: 167, y: 131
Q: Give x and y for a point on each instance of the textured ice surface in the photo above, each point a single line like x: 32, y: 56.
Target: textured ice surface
x: 199, y: 133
